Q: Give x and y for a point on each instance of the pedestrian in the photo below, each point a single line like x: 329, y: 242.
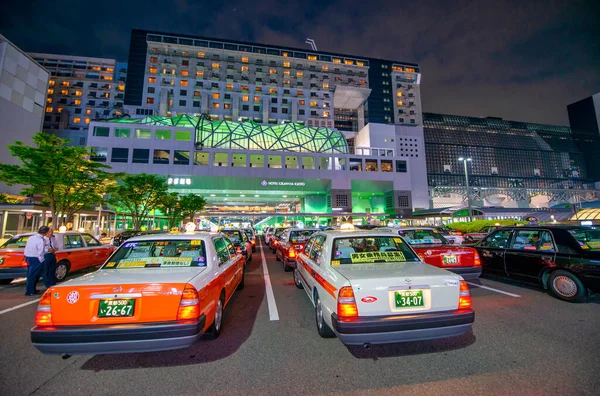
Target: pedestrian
x: 101, y: 236
x: 34, y: 255
x: 49, y: 264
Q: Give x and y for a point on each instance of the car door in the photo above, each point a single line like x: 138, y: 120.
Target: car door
x: 310, y: 264
x: 227, y: 258
x: 492, y: 249
x: 98, y: 253
x: 529, y: 253
x: 76, y: 252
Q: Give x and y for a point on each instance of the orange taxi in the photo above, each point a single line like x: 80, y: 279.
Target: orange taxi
x: 76, y: 251
x: 155, y: 293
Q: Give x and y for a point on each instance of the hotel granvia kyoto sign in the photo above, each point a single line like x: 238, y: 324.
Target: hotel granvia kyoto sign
x: 280, y: 183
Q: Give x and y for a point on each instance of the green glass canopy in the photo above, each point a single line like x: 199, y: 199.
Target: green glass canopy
x: 249, y: 135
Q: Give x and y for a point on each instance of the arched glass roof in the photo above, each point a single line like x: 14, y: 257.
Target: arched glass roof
x: 249, y: 135
x: 587, y: 214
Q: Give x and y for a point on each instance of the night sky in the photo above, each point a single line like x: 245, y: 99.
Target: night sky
x: 520, y: 60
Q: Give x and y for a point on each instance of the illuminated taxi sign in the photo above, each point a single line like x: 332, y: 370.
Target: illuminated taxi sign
x: 371, y: 257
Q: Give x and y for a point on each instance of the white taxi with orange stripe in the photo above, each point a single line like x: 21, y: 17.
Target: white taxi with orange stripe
x: 154, y: 293
x: 370, y: 287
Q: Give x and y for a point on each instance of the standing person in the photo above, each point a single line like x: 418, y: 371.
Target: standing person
x: 34, y: 255
x: 49, y: 264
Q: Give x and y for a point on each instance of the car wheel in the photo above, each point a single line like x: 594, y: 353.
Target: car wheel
x: 566, y: 286
x: 253, y: 249
x: 286, y: 268
x: 297, y: 281
x: 215, y: 329
x: 62, y: 269
x: 241, y: 284
x: 5, y: 281
x: 322, y: 327
x: 277, y: 257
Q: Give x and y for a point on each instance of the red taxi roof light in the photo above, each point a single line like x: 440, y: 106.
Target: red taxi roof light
x: 464, y: 297
x: 346, y: 303
x: 189, y: 306
x: 43, y: 315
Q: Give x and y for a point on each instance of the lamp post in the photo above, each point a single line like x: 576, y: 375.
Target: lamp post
x: 464, y: 161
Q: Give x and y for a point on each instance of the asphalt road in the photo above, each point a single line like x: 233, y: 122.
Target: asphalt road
x: 526, y: 343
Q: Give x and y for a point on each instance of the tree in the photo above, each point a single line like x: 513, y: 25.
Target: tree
x: 64, y: 175
x: 191, y: 204
x: 138, y: 195
x: 171, y: 208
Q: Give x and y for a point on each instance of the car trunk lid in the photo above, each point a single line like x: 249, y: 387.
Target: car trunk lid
x: 444, y: 256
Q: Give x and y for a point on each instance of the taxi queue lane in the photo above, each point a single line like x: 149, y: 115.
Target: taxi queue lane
x: 523, y: 342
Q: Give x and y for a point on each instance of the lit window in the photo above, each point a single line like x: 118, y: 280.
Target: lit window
x: 88, y: 112
x: 196, y: 93
x: 52, y: 82
x: 87, y: 120
x: 362, y: 82
x: 153, y: 70
x: 199, y: 74
x: 77, y: 120
x: 301, y: 102
x: 229, y: 86
x: 150, y: 100
x: 313, y: 103
x: 325, y: 68
x: 173, y: 72
x: 273, y: 71
x: 50, y: 91
x: 244, y: 59
x: 312, y: 57
x: 109, y: 78
x: 216, y: 95
x: 257, y: 99
x: 96, y: 68
x: 325, y: 86
x: 258, y: 89
x: 110, y: 69
x: 299, y: 74
x: 49, y: 100
x: 399, y: 103
x: 59, y: 109
x: 325, y: 114
x: 409, y: 69
x: 245, y: 98
x: 286, y: 64
x: 185, y: 53
x: 359, y: 63
x: 285, y: 54
x: 272, y: 90
x: 288, y: 82
x: 153, y: 59
x: 185, y: 73
x: 65, y: 84
x: 215, y: 65
x: 79, y: 93
x: 216, y: 105
x: 349, y: 61
x: 337, y: 60
x: 244, y: 68
x: 183, y: 83
x: 200, y: 54
x: 300, y: 93
x: 77, y: 102
x: 121, y: 87
x: 64, y: 92
x: 286, y: 72
x: 227, y: 106
x: 49, y: 109
x: 151, y: 80
x: 398, y: 94
x: 244, y: 88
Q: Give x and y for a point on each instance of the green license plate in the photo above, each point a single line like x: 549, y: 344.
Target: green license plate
x: 116, y: 308
x: 450, y: 259
x: 409, y: 298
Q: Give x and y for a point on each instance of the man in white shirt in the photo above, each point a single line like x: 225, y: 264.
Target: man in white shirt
x: 34, y: 255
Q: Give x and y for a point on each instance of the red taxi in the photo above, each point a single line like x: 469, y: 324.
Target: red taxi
x: 155, y: 293
x: 292, y: 243
x: 275, y: 237
x: 435, y: 250
x: 76, y: 251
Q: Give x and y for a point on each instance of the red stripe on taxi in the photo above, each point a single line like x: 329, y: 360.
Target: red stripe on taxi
x: 329, y: 288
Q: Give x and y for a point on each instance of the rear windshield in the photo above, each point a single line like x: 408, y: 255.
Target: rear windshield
x: 301, y: 236
x: 16, y: 242
x: 249, y: 232
x: 371, y: 250
x: 234, y: 236
x: 278, y: 232
x: 587, y: 239
x: 147, y: 254
x: 422, y: 237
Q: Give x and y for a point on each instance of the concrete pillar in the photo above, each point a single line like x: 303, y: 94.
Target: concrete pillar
x: 265, y: 111
x: 361, y: 116
x: 294, y: 110
x: 235, y: 107
x: 4, y: 221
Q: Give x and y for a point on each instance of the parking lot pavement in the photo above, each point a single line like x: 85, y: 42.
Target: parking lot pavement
x: 531, y: 344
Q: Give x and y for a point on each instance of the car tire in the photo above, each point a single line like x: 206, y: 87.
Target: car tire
x: 286, y: 268
x: 277, y: 257
x: 566, y: 286
x: 297, y: 280
x: 240, y: 286
x: 322, y: 328
x: 253, y: 249
x: 5, y: 281
x: 62, y: 270
x: 215, y: 328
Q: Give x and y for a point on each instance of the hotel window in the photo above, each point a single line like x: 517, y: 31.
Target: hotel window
x: 227, y: 106
x: 182, y: 103
x: 401, y: 167
x: 161, y: 156
x: 325, y: 68
x: 244, y: 68
x: 325, y: 86
x: 49, y: 109
x: 313, y: 103
x: 285, y: 54
x: 184, y: 83
x: 386, y: 166
x: 141, y: 156
x: 99, y: 154
x: 286, y: 64
x: 398, y: 94
x: 274, y: 161
x: 199, y: 74
x: 257, y: 161
x: 143, y: 134
x: 181, y: 157
x: 245, y: 98
x: 371, y: 165
x: 299, y: 74
x: 185, y: 63
x: 229, y: 86
x: 183, y: 92
x: 77, y: 120
x: 88, y: 111
x: 400, y: 103
x: 287, y: 82
x: 163, y: 134
x: 216, y: 105
x: 258, y: 89
x: 87, y: 120
x: 123, y: 132
x: 51, y: 83
x: 349, y: 62
x: 109, y: 78
x: 272, y: 90
x: 336, y: 60
x: 312, y: 57
x: 221, y: 159
x: 238, y: 160
x: 215, y: 65
x: 359, y: 63
x: 101, y: 131
x: 300, y: 93
x: 325, y: 114
x: 185, y: 73
x: 244, y: 59
x: 273, y: 109
x: 216, y: 95
x: 201, y: 158
x: 286, y: 72
x: 256, y: 108
x: 244, y: 88
x: 153, y: 60
x: 149, y: 100
x: 119, y: 154
x: 151, y: 80
x: 50, y: 91
x: 48, y: 100
x: 59, y: 109
x: 65, y: 83
x: 410, y: 69
x: 200, y: 54
x: 153, y: 70
x: 301, y: 102
x: 64, y: 92
x: 272, y: 71
x: 257, y: 99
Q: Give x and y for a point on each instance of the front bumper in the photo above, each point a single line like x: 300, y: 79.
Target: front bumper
x: 402, y: 328
x: 13, y: 272
x: 91, y: 340
x: 466, y: 272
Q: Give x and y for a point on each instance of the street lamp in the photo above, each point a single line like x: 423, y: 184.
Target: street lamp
x: 464, y: 161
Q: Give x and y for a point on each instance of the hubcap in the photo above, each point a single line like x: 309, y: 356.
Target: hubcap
x: 565, y: 286
x: 218, y: 315
x: 61, y: 271
x: 319, y: 314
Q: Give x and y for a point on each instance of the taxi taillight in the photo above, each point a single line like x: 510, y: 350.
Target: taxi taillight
x: 189, y: 306
x: 421, y: 256
x: 43, y: 315
x: 464, y: 297
x: 24, y: 262
x: 291, y: 253
x: 346, y: 303
x: 477, y: 261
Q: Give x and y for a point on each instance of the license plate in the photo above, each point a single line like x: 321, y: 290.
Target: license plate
x: 449, y: 259
x: 409, y: 298
x: 116, y: 308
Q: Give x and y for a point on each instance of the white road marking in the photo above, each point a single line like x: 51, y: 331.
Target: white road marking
x: 273, y: 313
x: 492, y: 289
x: 20, y: 306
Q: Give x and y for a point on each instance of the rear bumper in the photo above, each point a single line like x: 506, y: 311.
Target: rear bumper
x: 402, y: 328
x: 290, y: 262
x: 13, y: 272
x: 91, y: 340
x: 466, y: 272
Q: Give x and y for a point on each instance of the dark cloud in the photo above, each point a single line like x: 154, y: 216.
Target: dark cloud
x: 513, y: 59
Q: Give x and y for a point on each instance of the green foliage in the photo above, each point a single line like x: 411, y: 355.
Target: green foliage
x: 64, y: 175
x: 138, y: 195
x: 191, y: 204
x: 7, y: 199
x: 476, y: 225
x: 170, y: 206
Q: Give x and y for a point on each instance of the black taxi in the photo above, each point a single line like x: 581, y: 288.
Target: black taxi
x: 564, y: 259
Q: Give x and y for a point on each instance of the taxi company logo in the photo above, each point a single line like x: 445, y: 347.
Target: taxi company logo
x: 117, y: 289
x: 73, y: 297
x: 368, y: 299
